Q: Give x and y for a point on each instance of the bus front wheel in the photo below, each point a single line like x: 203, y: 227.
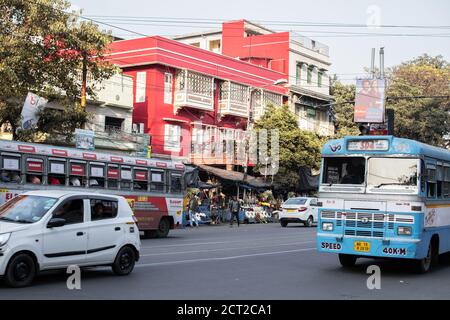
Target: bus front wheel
x: 347, y: 260
x: 424, y: 265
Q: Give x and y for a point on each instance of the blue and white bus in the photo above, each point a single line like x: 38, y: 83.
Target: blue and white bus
x: 382, y: 196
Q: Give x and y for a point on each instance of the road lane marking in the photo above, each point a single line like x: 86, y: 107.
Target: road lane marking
x: 218, y: 242
x: 223, y: 249
x: 221, y: 258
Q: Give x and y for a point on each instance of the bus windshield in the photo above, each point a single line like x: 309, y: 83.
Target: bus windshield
x: 344, y: 170
x: 391, y: 172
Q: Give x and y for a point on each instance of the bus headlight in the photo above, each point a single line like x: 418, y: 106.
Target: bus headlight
x: 327, y: 226
x: 4, y: 238
x: 404, y: 231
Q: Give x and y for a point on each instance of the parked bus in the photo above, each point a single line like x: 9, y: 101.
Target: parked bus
x: 154, y: 188
x: 387, y: 197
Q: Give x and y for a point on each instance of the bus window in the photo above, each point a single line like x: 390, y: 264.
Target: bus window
x: 157, y: 180
x: 113, y: 176
x: 56, y: 171
x: 446, y: 185
x: 77, y: 172
x: 97, y: 175
x: 348, y: 170
x: 140, y: 179
x: 431, y: 181
x: 439, y: 180
x: 34, y: 171
x: 11, y: 168
x: 125, y: 178
x: 175, y: 183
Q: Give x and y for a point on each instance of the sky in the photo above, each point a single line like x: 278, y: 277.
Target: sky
x: 349, y: 53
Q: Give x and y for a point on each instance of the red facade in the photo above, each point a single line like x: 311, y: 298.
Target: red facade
x: 178, y: 87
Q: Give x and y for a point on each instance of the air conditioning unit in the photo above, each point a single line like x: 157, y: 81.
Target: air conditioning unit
x: 135, y: 128
x: 141, y: 128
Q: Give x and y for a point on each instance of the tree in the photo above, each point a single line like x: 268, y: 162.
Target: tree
x: 42, y: 50
x: 426, y: 120
x: 343, y: 109
x: 296, y: 147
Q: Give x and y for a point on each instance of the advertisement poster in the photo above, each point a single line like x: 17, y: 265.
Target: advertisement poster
x: 84, y: 139
x: 369, y: 101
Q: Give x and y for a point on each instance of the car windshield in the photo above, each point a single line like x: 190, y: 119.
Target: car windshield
x: 296, y: 201
x: 340, y: 170
x: 392, y: 172
x: 26, y: 208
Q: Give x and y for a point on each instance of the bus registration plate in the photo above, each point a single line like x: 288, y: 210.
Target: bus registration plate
x: 361, y: 246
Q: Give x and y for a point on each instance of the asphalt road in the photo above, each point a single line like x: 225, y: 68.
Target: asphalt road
x: 249, y: 262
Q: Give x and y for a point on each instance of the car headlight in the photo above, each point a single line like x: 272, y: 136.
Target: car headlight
x: 404, y: 231
x: 327, y: 226
x: 4, y: 237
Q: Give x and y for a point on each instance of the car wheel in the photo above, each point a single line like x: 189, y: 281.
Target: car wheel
x: 163, y: 229
x: 424, y: 265
x: 124, y: 262
x: 21, y: 271
x: 309, y: 222
x: 347, y: 260
x: 283, y: 223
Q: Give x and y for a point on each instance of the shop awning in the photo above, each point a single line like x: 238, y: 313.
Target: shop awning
x: 235, y: 176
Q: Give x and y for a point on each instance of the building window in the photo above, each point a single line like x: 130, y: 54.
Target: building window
x: 309, y: 75
x: 113, y: 124
x: 238, y: 93
x: 319, y: 79
x: 298, y: 73
x: 168, y: 88
x: 172, y: 134
x: 214, y: 46
x: 141, y: 84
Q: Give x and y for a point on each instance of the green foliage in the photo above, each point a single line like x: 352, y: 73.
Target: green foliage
x: 344, y: 96
x: 296, y: 147
x: 426, y: 120
x: 42, y: 48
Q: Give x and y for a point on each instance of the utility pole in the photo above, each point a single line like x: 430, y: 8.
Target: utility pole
x: 84, y: 80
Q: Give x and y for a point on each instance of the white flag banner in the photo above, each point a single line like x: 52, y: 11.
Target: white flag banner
x: 30, y: 110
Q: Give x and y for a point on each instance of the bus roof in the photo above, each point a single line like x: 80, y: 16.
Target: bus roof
x: 87, y: 155
x: 382, y: 145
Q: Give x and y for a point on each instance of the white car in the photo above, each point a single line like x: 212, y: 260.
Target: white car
x: 299, y: 210
x: 43, y: 230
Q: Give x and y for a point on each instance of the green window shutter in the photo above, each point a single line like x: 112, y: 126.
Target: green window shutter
x: 309, y: 76
x: 319, y: 79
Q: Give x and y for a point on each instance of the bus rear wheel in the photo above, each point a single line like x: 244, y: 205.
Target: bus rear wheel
x: 347, y: 260
x: 163, y: 228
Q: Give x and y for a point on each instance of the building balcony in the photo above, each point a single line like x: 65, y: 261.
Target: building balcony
x: 194, y: 90
x: 233, y: 99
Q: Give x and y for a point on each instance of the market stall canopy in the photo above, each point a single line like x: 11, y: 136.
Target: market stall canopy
x: 235, y: 176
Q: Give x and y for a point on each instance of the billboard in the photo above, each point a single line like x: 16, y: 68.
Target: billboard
x: 369, y: 101
x: 84, y: 139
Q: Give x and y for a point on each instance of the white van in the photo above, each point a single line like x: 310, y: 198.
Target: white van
x: 43, y: 230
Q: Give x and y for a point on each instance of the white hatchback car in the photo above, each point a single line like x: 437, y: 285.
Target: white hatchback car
x: 43, y: 230
x: 300, y: 210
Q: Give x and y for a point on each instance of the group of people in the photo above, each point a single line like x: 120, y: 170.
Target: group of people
x: 218, y: 208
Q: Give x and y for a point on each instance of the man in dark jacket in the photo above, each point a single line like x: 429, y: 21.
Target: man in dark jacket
x: 235, y: 207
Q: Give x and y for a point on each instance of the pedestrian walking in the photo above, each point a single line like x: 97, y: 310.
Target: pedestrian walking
x: 235, y: 207
x: 193, y: 207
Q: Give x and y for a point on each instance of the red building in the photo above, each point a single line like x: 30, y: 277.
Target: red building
x: 193, y: 102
